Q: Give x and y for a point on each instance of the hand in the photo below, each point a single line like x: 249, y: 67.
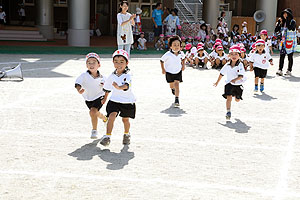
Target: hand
x: 215, y: 84
x: 233, y: 81
x: 116, y: 85
x: 279, y: 19
x: 271, y: 63
x: 103, y: 101
x: 183, y: 68
x: 81, y: 91
x: 163, y: 71
x: 132, y: 16
x: 251, y: 69
x: 155, y: 25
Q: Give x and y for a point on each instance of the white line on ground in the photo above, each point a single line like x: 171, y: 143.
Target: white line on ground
x: 39, y: 61
x: 147, y: 140
x: 173, y: 183
x: 282, y: 186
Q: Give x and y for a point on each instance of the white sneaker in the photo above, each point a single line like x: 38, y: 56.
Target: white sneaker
x: 288, y: 73
x: 94, y: 134
x: 279, y: 73
x: 157, y: 49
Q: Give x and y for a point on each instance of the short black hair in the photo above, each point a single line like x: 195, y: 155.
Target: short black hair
x: 158, y: 4
x: 174, y: 38
x: 120, y: 56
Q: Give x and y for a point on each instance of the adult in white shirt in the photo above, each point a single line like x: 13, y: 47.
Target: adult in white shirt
x: 124, y: 30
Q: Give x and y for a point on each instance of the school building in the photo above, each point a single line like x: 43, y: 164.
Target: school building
x: 78, y: 17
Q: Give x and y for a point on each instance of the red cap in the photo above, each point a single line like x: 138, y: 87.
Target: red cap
x: 220, y: 47
x: 235, y: 48
x: 260, y: 42
x: 188, y: 46
x: 263, y: 32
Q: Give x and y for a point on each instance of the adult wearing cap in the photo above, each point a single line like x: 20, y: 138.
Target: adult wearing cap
x: 287, y: 26
x: 172, y: 21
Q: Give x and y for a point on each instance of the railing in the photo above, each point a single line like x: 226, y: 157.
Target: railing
x: 189, y: 10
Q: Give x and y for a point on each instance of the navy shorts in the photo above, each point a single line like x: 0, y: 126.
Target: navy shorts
x: 173, y: 77
x: 157, y: 31
x: 261, y: 73
x: 124, y: 109
x: 233, y: 90
x: 95, y: 104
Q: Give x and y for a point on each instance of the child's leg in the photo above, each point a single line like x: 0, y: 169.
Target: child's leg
x: 94, y: 119
x: 197, y: 61
x: 224, y: 62
x: 172, y: 86
x: 228, y: 102
x: 126, y: 124
x: 101, y: 116
x: 205, y: 60
x: 262, y: 80
x: 176, y: 85
x: 256, y: 80
x: 218, y: 61
x: 110, y: 123
x: 237, y: 100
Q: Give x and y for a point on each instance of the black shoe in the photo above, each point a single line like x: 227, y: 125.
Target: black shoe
x: 176, y: 102
x: 173, y: 91
x: 126, y: 139
x: 105, y: 140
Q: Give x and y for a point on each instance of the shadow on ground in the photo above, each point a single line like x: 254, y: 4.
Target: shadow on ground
x: 263, y: 96
x: 173, y: 112
x: 239, y: 126
x: 115, y: 161
x: 292, y: 78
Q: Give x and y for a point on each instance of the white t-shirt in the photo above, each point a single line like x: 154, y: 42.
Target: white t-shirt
x: 260, y: 61
x: 22, y: 12
x: 204, y: 55
x: 213, y: 54
x: 268, y: 45
x: 172, y: 63
x: 120, y: 96
x: 2, y: 15
x: 245, y: 29
x: 224, y: 56
x: 93, y: 87
x: 142, y: 41
x: 233, y: 72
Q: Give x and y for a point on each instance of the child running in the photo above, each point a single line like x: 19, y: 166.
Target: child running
x: 90, y: 85
x: 172, y: 64
x: 235, y: 72
x: 259, y: 62
x: 122, y: 99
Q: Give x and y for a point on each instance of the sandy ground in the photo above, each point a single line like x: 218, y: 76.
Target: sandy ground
x: 190, y: 152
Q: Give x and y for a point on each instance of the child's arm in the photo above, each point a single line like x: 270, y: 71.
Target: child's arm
x: 80, y: 90
x: 122, y: 87
x: 251, y: 66
x: 183, y: 64
x: 219, y: 78
x: 236, y: 79
x: 105, y: 97
x: 162, y: 67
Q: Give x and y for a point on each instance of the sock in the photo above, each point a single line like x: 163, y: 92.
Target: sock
x: 256, y: 85
x: 177, y: 98
x: 108, y: 134
x: 228, y: 110
x: 261, y: 83
x: 126, y: 133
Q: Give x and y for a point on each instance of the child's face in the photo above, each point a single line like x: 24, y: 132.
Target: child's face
x: 262, y: 36
x: 189, y: 40
x: 142, y: 35
x: 120, y: 63
x: 234, y: 56
x: 92, y: 64
x: 260, y: 48
x: 175, y: 46
x: 201, y: 51
x: 220, y: 51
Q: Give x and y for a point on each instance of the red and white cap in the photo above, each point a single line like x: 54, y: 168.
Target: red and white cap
x: 219, y: 40
x: 200, y: 44
x: 220, y: 47
x: 188, y: 46
x: 121, y: 52
x: 244, y: 22
x: 260, y: 42
x: 235, y: 48
x: 92, y: 55
x: 240, y: 45
x: 200, y: 47
x: 217, y: 44
x: 263, y: 32
x: 161, y: 35
x: 243, y: 49
x: 253, y: 45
